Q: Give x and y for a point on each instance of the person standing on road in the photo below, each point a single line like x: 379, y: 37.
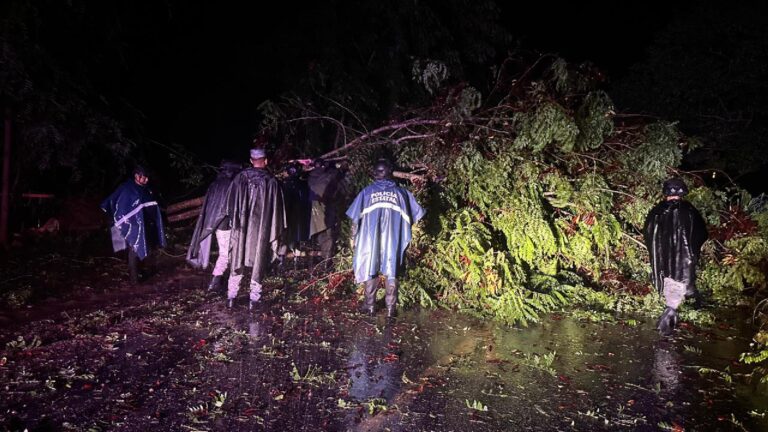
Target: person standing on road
x: 137, y: 222
x: 297, y: 211
x: 323, y: 183
x: 674, y: 232
x: 213, y: 223
x: 382, y: 216
x: 256, y: 210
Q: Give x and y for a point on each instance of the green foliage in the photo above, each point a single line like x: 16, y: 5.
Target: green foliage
x: 530, y: 208
x: 542, y: 362
x: 594, y: 120
x: 709, y: 202
x: 430, y: 74
x: 659, y: 151
x: 476, y: 405
x: 741, y: 266
x: 548, y: 125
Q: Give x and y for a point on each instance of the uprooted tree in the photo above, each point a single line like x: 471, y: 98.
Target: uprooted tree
x: 536, y: 195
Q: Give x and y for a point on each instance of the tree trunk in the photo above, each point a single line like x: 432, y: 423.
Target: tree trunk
x: 6, y: 182
x: 176, y: 207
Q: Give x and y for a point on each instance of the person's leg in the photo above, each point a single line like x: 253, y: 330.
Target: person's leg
x: 222, y: 262
x: 674, y: 294
x: 255, y: 294
x: 325, y: 241
x: 370, y: 287
x: 282, y: 251
x: 222, y: 240
x: 233, y: 286
x: 296, y: 253
x: 255, y: 287
x: 391, y: 297
x: 133, y: 265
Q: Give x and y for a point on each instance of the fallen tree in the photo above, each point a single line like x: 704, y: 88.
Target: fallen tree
x: 536, y: 195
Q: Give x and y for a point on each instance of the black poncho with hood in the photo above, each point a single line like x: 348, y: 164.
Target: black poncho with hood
x: 297, y: 209
x: 674, y: 232
x: 323, y: 184
x: 212, y: 216
x: 256, y: 210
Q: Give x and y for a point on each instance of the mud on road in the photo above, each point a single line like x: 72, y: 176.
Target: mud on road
x: 168, y: 355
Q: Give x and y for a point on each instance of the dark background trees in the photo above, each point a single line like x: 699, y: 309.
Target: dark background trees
x: 94, y: 86
x: 708, y: 69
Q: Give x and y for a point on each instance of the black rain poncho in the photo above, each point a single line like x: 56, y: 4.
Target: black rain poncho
x: 212, y: 217
x: 323, y: 184
x: 256, y: 210
x: 383, y: 213
x: 674, y: 232
x: 297, y: 210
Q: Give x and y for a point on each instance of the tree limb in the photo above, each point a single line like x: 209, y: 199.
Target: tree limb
x: 390, y: 127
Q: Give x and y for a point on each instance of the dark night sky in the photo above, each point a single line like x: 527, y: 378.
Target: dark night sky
x: 204, y: 94
x: 612, y: 35
x: 196, y: 72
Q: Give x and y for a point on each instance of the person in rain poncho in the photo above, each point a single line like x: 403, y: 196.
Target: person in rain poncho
x: 213, y: 223
x: 674, y: 232
x: 382, y: 215
x: 137, y: 222
x: 323, y: 183
x: 257, y: 216
x: 297, y: 211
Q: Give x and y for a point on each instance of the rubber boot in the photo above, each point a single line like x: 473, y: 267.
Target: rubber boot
x: 213, y: 285
x: 391, y: 298
x: 667, y: 322
x: 254, y: 295
x: 369, y: 305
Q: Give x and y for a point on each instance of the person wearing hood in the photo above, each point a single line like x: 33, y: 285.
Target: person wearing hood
x: 213, y: 223
x: 382, y: 215
x: 323, y: 183
x: 137, y: 224
x: 256, y: 210
x: 297, y: 211
x: 674, y: 233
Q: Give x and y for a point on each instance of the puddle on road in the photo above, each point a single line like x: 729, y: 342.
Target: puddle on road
x: 455, y: 373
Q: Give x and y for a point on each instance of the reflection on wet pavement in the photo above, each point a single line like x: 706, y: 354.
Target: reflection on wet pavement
x: 374, y: 369
x: 185, y: 362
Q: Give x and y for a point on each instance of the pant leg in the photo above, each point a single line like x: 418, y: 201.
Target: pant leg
x: 674, y: 293
x: 391, y: 293
x: 133, y: 265
x: 222, y: 239
x: 326, y: 240
x: 233, y: 285
x: 370, y: 287
x: 255, y: 291
x: 255, y: 287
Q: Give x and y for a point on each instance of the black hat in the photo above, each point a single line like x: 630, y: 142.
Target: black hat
x: 382, y: 169
x: 675, y: 187
x: 140, y: 170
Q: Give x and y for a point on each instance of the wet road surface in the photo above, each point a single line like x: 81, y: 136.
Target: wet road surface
x: 170, y: 356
